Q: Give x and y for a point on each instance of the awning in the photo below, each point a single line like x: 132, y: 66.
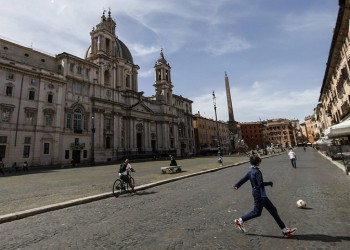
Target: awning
x: 339, y: 130
x: 323, y: 141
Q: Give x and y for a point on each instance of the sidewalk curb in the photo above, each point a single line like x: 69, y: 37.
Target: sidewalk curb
x: 339, y: 165
x: 35, y: 211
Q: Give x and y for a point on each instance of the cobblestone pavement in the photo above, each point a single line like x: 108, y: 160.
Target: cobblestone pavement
x: 198, y: 213
x: 29, y: 190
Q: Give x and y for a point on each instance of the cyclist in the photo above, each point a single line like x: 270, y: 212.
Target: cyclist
x: 124, y: 169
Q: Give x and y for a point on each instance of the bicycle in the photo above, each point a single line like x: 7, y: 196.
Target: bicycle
x: 120, y: 186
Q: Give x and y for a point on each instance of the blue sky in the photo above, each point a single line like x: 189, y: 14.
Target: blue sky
x: 273, y: 51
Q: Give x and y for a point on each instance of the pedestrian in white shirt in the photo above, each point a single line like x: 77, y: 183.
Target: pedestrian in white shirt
x: 293, y: 158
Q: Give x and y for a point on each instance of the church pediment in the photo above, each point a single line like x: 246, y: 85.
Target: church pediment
x: 140, y: 107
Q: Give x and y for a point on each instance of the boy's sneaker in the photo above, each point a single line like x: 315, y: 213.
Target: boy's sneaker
x: 240, y: 225
x: 288, y: 232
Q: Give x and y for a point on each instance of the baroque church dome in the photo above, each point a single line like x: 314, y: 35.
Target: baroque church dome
x: 121, y: 51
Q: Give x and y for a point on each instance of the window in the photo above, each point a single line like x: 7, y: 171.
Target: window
x: 46, y: 148
x: 66, y: 154
x: 48, y: 120
x: 108, y: 142
x: 33, y: 82
x: 79, y: 70
x: 87, y: 72
x: 85, y: 153
x: 3, y: 139
x: 85, y: 122
x: 27, y: 140
x: 9, y: 90
x: 108, y: 123
x: 29, y: 117
x: 69, y: 121
x: 49, y: 98
x: 77, y: 119
x: 77, y: 88
x: 26, y: 151
x: 2, y: 151
x: 10, y: 76
x: 127, y: 81
x: 5, y: 115
x: 71, y: 67
x: 31, y: 94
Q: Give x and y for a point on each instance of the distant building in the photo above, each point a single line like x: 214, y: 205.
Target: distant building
x: 310, y: 129
x: 57, y: 108
x: 206, y: 133
x: 281, y: 132
x: 252, y: 134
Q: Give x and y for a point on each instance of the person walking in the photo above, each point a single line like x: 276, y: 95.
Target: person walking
x: 293, y: 158
x: 261, y: 200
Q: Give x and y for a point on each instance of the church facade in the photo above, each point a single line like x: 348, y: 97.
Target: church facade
x: 55, y: 109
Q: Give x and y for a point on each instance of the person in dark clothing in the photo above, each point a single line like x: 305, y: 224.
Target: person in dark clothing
x: 25, y: 166
x: 261, y: 200
x: 15, y: 167
x: 172, y: 161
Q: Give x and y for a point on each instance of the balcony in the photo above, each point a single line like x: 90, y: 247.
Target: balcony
x: 78, y: 145
x: 107, y: 132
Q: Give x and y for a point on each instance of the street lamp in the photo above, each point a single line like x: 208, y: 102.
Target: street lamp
x: 217, y: 125
x: 93, y: 130
x: 180, y: 139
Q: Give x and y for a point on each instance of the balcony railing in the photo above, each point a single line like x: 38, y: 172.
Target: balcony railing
x: 77, y: 145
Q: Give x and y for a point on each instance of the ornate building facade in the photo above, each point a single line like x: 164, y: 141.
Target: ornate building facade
x: 281, y: 132
x: 334, y: 99
x: 57, y: 108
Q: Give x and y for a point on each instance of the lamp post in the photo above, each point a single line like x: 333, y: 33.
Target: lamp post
x: 217, y: 125
x: 180, y: 140
x: 93, y: 130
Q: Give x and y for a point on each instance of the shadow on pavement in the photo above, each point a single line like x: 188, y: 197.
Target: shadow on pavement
x: 310, y: 237
x: 145, y: 192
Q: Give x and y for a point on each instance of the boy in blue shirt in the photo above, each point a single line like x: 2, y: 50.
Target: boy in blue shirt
x: 261, y: 200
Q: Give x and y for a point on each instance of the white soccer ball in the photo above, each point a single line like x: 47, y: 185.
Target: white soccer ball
x: 301, y: 204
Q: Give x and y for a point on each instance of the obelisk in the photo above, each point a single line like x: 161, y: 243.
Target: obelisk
x: 232, y: 126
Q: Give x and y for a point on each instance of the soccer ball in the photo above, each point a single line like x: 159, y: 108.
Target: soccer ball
x: 301, y: 204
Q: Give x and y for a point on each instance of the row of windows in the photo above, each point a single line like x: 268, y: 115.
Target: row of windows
x: 46, y: 151
x: 9, y: 91
x: 26, y: 147
x: 79, y: 69
x: 12, y: 77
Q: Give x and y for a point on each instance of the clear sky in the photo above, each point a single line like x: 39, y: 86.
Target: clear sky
x: 273, y: 51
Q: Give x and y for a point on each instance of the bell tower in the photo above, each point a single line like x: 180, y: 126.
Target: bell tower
x: 163, y: 85
x: 103, y: 37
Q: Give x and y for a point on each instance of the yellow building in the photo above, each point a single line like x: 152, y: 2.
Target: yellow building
x: 334, y: 100
x: 209, y: 134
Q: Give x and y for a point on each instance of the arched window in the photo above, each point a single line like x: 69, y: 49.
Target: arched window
x: 107, y: 77
x: 77, y: 119
x: 127, y: 81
